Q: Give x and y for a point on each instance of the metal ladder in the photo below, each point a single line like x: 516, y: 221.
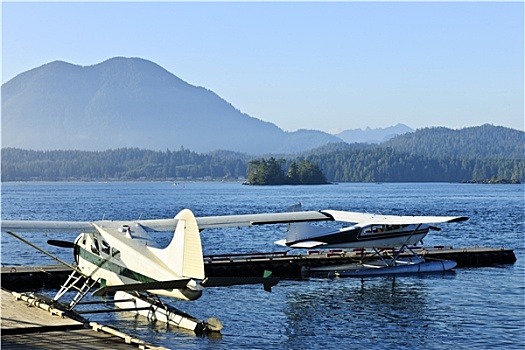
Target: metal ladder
x: 71, y: 283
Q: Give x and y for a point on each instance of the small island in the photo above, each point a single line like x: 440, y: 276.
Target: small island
x: 494, y: 180
x: 271, y: 172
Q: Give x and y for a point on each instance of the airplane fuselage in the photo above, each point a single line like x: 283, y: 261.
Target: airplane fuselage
x: 378, y: 236
x: 127, y: 255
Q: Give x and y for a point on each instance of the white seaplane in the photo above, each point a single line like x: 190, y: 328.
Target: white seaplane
x: 388, y: 237
x: 122, y: 257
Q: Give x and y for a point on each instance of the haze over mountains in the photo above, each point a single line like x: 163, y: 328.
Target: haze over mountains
x: 373, y: 135
x: 132, y: 102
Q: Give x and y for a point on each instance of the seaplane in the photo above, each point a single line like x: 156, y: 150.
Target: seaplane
x: 122, y: 258
x: 388, y: 237
x: 386, y: 242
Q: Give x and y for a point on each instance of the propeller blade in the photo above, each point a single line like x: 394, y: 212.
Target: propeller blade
x: 61, y: 244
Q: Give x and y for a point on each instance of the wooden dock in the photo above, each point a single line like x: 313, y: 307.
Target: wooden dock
x: 282, y: 264
x: 30, y: 323
x: 288, y: 266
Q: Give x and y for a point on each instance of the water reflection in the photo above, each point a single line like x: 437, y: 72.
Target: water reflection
x: 362, y: 310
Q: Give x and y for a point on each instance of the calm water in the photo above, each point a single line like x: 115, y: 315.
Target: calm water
x: 480, y: 308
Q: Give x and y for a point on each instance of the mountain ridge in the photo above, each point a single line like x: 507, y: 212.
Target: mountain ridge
x: 376, y: 135
x: 132, y: 102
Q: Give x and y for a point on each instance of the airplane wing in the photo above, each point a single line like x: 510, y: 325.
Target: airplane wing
x: 267, y: 282
x: 82, y: 226
x: 205, y: 222
x: 163, y: 225
x: 375, y: 219
x: 46, y: 226
x: 260, y: 219
x: 175, y: 284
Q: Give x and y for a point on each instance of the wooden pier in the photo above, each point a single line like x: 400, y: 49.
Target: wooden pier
x: 288, y: 266
x: 30, y: 323
x: 282, y: 264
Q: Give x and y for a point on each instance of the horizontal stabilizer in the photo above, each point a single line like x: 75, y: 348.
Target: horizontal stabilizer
x: 175, y: 284
x: 268, y: 282
x: 281, y: 242
x: 308, y: 244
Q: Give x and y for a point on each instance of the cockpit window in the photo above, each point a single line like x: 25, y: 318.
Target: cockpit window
x: 105, y: 247
x: 94, y: 247
x: 114, y: 252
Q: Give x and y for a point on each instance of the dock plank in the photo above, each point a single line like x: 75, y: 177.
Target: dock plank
x: 70, y: 339
x: 20, y: 317
x: 28, y: 325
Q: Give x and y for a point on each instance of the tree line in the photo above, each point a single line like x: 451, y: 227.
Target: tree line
x: 485, y: 141
x: 359, y: 164
x: 386, y: 165
x: 120, y: 164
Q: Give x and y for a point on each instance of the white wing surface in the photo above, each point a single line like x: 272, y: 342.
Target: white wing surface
x: 363, y: 219
x: 260, y: 219
x: 46, y: 226
x: 161, y: 225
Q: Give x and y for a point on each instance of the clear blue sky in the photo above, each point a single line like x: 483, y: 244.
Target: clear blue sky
x: 301, y: 65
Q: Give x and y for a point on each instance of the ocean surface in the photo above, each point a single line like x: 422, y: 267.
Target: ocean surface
x: 470, y: 308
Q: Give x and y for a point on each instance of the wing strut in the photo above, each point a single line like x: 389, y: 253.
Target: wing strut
x: 46, y: 253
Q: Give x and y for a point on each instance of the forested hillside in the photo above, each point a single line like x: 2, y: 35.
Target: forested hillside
x: 485, y: 141
x: 120, y: 164
x: 439, y: 155
x: 365, y: 165
x: 387, y: 165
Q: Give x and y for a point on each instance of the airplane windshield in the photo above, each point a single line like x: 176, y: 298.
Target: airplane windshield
x: 94, y: 247
x: 105, y: 247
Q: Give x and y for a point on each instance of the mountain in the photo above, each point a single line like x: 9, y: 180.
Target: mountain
x: 132, y: 102
x: 373, y: 135
x: 482, y: 142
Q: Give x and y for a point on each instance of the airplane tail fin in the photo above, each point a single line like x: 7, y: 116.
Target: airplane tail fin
x: 184, y: 253
x: 300, y: 230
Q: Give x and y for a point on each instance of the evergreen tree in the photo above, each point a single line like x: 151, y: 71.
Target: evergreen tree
x: 293, y: 173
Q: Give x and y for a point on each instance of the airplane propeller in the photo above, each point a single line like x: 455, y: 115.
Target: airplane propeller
x: 61, y: 244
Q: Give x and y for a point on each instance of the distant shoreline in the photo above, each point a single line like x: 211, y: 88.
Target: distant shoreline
x: 243, y: 182
x: 493, y: 182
